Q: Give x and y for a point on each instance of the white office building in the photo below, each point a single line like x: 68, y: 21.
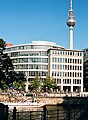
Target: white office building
x: 41, y: 58
x: 66, y: 67
x: 31, y: 59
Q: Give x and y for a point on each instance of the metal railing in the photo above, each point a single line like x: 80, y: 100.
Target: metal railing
x: 44, y: 114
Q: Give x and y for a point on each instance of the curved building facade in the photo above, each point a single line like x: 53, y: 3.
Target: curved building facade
x: 31, y: 59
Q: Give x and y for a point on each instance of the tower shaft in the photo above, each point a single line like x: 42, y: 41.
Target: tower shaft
x: 71, y: 37
x: 71, y: 23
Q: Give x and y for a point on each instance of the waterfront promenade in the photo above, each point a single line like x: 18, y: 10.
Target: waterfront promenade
x: 68, y: 107
x: 68, y: 112
x: 48, y: 99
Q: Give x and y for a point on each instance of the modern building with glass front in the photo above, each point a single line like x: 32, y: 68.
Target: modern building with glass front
x: 42, y: 59
x: 31, y: 59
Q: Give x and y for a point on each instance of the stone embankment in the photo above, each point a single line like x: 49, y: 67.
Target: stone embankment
x: 51, y: 100
x: 46, y: 100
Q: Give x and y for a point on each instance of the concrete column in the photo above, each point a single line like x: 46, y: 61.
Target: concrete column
x: 71, y: 88
x: 61, y: 84
x: 81, y: 85
x: 71, y: 85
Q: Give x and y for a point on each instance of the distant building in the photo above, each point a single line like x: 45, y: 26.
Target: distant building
x: 41, y: 58
x: 86, y: 69
x: 9, y: 44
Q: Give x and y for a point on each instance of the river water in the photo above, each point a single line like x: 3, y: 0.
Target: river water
x: 53, y: 113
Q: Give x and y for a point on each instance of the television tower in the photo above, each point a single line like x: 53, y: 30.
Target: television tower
x: 71, y: 23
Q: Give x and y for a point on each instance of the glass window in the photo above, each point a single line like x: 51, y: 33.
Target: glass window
x: 65, y: 60
x: 60, y: 73
x: 75, y: 60
x: 58, y: 81
x: 70, y: 53
x: 80, y: 53
x: 80, y: 67
x: 57, y: 73
x: 52, y: 51
x: 61, y: 53
x: 52, y: 59
x: 70, y: 60
x: 52, y: 66
x: 61, y: 67
x: 80, y: 61
x: 65, y: 52
x: 44, y: 60
x: 60, y: 60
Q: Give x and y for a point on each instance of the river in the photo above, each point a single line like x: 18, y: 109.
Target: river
x: 52, y: 113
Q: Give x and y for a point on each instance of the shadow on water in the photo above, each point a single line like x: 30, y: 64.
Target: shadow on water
x: 71, y: 109
x: 52, y: 113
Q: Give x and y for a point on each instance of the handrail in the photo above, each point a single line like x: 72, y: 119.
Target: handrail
x: 66, y: 118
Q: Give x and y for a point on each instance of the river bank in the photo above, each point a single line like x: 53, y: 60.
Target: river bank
x: 47, y: 99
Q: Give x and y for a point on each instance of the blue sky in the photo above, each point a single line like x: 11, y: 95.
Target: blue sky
x: 22, y: 21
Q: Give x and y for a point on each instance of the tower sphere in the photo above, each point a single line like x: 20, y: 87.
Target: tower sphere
x: 71, y: 21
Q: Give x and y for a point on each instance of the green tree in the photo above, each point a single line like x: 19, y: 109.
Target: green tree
x: 48, y: 84
x: 5, y: 66
x: 7, y: 74
x: 19, y: 82
x: 2, y: 44
x: 35, y: 84
x: 20, y: 85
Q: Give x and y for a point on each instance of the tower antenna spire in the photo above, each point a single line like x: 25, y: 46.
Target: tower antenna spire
x: 70, y: 4
x: 71, y: 23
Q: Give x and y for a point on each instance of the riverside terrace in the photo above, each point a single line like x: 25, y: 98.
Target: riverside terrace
x: 48, y: 99
x: 74, y: 108
x: 69, y: 111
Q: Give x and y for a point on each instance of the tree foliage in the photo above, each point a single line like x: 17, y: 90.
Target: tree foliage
x: 7, y: 74
x: 48, y: 84
x: 34, y: 84
x: 2, y: 44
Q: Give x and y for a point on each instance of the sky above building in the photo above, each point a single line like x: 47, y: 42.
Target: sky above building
x: 23, y: 21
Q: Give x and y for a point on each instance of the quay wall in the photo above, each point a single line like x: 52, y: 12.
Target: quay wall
x: 51, y: 100
x: 47, y: 100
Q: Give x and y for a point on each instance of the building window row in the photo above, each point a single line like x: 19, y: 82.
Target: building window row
x: 76, y: 81
x: 67, y: 60
x: 43, y: 67
x: 30, y: 60
x: 28, y: 53
x: 66, y: 67
x: 37, y: 73
x: 68, y: 81
x: 34, y: 73
x: 27, y: 47
x: 67, y: 74
x: 69, y: 53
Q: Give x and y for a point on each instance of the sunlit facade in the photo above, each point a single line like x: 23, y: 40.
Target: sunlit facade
x: 41, y: 58
x: 31, y: 59
x: 66, y: 67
